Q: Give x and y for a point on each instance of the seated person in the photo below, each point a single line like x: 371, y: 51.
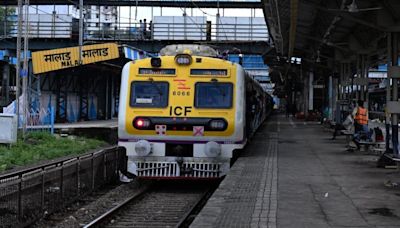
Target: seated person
x: 346, y: 125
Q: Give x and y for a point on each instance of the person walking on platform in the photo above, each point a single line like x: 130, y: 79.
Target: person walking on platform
x: 287, y: 109
x: 360, y: 115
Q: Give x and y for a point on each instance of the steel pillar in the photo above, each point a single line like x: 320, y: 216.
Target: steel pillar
x: 5, y: 85
x: 311, y: 91
x: 362, y: 76
x: 394, y: 62
x: 388, y: 95
x: 33, y: 90
x: 61, y: 99
x: 330, y: 97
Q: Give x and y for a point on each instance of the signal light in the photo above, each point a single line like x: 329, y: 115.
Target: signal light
x: 141, y: 123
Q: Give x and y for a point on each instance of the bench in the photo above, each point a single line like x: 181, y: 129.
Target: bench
x: 329, y: 125
x: 377, y: 148
x: 348, y: 134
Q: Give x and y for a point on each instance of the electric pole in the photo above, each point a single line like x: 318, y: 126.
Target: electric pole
x: 25, y: 70
x: 80, y: 30
x: 18, y: 64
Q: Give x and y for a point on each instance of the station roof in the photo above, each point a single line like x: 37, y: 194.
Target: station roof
x: 331, y: 31
x: 151, y: 3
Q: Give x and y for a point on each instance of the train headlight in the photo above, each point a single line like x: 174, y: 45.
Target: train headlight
x: 217, y: 124
x: 183, y: 59
x: 212, y: 149
x: 143, y: 148
x: 141, y: 123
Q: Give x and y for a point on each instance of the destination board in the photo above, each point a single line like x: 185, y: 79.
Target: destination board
x: 156, y: 71
x: 57, y: 59
x: 209, y: 72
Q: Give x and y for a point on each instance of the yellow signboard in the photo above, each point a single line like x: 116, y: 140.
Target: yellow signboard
x: 57, y: 59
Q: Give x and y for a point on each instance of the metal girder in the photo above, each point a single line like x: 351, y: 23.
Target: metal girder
x: 184, y: 4
x: 294, y: 5
x: 253, y: 47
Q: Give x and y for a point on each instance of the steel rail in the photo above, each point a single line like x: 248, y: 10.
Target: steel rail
x: 199, y: 204
x: 147, y: 193
x: 102, y: 218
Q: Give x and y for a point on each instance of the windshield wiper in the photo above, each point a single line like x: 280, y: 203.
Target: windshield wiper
x: 219, y: 87
x: 157, y: 88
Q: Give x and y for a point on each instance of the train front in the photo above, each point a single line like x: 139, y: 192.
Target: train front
x: 181, y: 116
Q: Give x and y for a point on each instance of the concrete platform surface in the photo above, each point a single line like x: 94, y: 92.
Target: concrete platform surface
x: 88, y: 124
x: 293, y: 175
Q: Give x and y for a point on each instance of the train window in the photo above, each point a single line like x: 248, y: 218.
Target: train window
x: 213, y: 95
x: 149, y: 94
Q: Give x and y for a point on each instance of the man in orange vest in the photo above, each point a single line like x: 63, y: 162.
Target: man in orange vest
x: 360, y: 115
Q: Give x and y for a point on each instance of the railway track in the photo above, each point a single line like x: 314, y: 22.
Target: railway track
x: 160, y: 205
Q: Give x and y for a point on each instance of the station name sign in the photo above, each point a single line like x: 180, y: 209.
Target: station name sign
x: 57, y: 59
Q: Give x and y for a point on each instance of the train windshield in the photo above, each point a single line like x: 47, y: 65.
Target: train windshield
x: 149, y: 94
x: 213, y: 95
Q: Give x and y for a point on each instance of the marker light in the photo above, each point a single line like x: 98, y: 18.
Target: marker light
x: 212, y: 149
x: 183, y: 59
x: 155, y: 62
x: 141, y: 123
x: 217, y: 124
x: 143, y: 148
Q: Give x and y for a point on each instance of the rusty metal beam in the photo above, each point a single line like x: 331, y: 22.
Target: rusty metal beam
x: 294, y: 6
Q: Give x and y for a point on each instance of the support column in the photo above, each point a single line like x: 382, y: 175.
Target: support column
x: 366, y: 70
x: 352, y: 94
x: 330, y: 96
x: 362, y: 76
x: 311, y: 91
x: 388, y: 95
x: 394, y: 76
x: 306, y: 93
x: 5, y: 92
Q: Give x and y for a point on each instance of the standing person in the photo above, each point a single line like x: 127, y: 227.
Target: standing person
x: 287, y: 109
x: 360, y: 115
x: 294, y: 110
x: 144, y: 28
x: 150, y: 29
x: 141, y: 29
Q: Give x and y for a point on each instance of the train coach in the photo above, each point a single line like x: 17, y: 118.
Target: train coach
x: 183, y: 114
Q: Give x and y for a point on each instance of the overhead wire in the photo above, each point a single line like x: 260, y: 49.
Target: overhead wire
x: 45, y: 12
x: 211, y: 15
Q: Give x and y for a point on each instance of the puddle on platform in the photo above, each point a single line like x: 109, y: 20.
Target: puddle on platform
x: 382, y: 211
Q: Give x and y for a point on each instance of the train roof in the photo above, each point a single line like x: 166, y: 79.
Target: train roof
x: 193, y: 49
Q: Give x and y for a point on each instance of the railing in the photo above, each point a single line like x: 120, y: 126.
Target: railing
x: 157, y: 31
x: 29, y: 194
x: 41, y: 120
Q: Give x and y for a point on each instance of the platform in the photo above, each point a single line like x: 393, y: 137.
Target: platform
x: 106, y: 130
x: 88, y: 124
x: 293, y: 175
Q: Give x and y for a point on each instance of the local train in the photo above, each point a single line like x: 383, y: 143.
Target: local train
x: 183, y: 114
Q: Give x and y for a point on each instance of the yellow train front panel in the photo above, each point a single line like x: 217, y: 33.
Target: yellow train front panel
x: 181, y: 115
x: 181, y: 95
